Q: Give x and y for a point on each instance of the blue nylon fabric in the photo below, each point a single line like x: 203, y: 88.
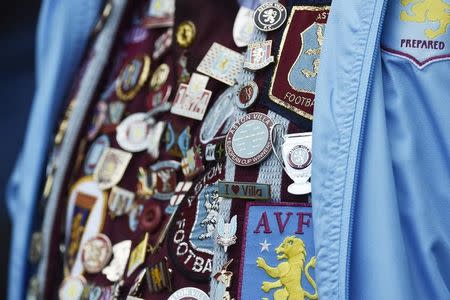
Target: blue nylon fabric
x: 398, y: 244
x: 63, y: 30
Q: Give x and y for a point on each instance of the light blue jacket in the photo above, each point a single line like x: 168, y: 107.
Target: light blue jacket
x: 381, y: 166
x: 381, y: 171
x: 63, y: 30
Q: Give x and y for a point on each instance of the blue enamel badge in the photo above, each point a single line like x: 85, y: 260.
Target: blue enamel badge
x: 278, y: 258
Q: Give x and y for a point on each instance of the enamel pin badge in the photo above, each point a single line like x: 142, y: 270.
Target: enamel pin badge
x: 269, y: 16
x: 244, y: 190
x: 96, y: 253
x: 111, y: 167
x: 121, y: 252
x: 132, y: 77
x: 226, y: 232
x: 189, y: 106
x: 258, y: 55
x: 243, y: 26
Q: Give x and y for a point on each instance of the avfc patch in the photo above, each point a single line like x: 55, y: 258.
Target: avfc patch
x: 417, y: 31
x: 190, y: 240
x: 278, y: 258
x: 294, y: 80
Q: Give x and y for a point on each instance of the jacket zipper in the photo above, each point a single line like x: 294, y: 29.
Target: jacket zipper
x: 360, y: 145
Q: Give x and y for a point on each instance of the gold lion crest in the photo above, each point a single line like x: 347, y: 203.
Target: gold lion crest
x: 289, y: 273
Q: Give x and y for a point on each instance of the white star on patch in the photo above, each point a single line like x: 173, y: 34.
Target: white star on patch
x: 265, y: 246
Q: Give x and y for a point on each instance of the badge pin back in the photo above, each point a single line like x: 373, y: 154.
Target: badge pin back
x: 94, y: 153
x: 185, y: 34
x: 111, y: 167
x: 189, y: 293
x: 159, y: 77
x: 121, y: 252
x: 120, y: 201
x: 269, y: 16
x: 72, y: 288
x: 132, y: 77
x: 258, y: 55
x: 221, y: 63
x: 96, y: 253
x: 246, y: 95
x: 248, y: 142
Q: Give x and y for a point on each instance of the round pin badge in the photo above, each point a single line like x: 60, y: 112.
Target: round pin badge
x: 299, y: 157
x: 159, y: 77
x: 189, y: 293
x: 248, y: 141
x: 269, y: 16
x: 132, y: 77
x: 246, y: 95
x: 72, y: 288
x: 96, y: 253
x: 150, y: 218
x: 132, y: 134
x: 94, y: 153
x: 185, y: 34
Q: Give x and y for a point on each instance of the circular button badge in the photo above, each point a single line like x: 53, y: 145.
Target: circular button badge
x: 189, y: 293
x: 248, y: 141
x: 132, y: 77
x: 299, y: 157
x: 246, y: 95
x: 96, y: 253
x: 269, y: 16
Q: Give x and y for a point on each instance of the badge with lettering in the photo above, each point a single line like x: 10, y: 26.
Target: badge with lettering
x: 177, y: 139
x: 120, y: 201
x: 98, y: 120
x: 162, y: 44
x: 293, y: 83
x: 221, y: 110
x: 94, y: 153
x: 84, y: 219
x: 223, y: 278
x: 160, y: 14
x: 244, y: 190
x: 417, y: 31
x: 190, y: 240
x: 192, y: 164
x: 190, y: 293
x: 269, y: 16
x: 190, y: 107
x: 132, y: 77
x: 278, y: 255
x: 159, y: 181
x: 72, y: 288
x: 243, y: 26
x: 226, y: 232
x: 137, y: 256
x: 248, y: 142
x: 121, y: 252
x: 258, y: 55
x: 96, y: 253
x: 222, y: 64
x: 246, y: 95
x: 111, y: 167
x: 114, y: 114
x: 133, y: 133
x: 159, y: 277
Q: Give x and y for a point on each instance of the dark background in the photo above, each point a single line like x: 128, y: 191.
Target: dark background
x: 18, y: 20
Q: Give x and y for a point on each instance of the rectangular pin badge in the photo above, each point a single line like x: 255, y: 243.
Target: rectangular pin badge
x: 244, y: 190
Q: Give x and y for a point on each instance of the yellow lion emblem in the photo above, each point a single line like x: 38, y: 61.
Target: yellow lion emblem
x: 428, y: 10
x: 289, y: 273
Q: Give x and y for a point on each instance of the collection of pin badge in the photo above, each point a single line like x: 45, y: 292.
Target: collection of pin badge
x: 177, y: 172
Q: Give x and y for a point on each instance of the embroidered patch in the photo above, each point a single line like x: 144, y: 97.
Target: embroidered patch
x: 190, y: 240
x: 278, y: 253
x: 294, y: 80
x: 417, y: 30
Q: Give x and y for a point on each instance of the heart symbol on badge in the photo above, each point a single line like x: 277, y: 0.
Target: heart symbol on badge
x: 235, y: 189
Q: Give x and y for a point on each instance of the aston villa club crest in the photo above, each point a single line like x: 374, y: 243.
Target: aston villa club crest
x: 294, y: 80
x: 190, y: 240
x: 278, y: 253
x: 417, y: 31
